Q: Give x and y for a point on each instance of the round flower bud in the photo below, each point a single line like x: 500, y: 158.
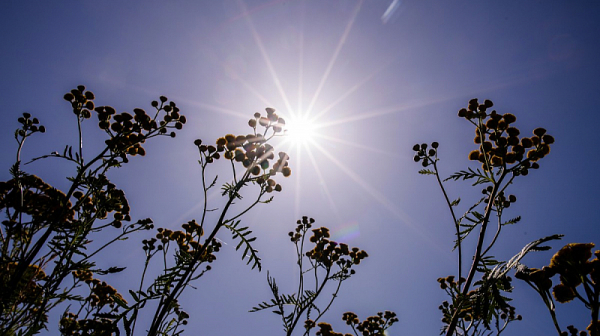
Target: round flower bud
x: 548, y: 139
x: 526, y: 143
x: 263, y: 121
x: 513, y: 131
x: 509, y: 118
x: 252, y: 123
x: 539, y: 131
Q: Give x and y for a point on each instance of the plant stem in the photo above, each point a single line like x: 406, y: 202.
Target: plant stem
x: 477, y: 256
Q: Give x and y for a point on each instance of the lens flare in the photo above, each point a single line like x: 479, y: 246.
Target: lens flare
x: 300, y: 130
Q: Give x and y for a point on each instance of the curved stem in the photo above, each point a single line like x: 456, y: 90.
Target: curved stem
x: 319, y: 290
x: 478, y: 254
x: 456, y: 223
x: 164, y: 307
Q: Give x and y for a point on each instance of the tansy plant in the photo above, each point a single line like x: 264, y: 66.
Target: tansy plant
x: 578, y: 280
x: 327, y: 263
x: 477, y: 299
x: 46, y: 235
x: 253, y: 162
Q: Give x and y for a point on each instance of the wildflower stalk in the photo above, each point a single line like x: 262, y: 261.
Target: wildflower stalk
x: 477, y: 256
x: 456, y: 222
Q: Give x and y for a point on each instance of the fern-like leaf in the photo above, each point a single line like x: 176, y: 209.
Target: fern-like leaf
x: 512, y: 221
x: 243, y: 235
x: 426, y: 172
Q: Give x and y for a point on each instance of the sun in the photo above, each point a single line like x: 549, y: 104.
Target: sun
x: 300, y: 131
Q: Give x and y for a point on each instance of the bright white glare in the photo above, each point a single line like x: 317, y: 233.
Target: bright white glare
x: 300, y: 130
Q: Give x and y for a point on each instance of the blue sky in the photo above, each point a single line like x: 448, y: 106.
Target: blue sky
x: 379, y: 85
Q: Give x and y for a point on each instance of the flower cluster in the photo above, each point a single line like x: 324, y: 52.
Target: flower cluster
x: 32, y: 196
x: 426, y: 157
x: 101, y: 199
x: 82, y: 101
x: 303, y: 225
x: 29, y: 288
x: 252, y: 151
x: 371, y: 326
x: 327, y: 252
x: 186, y: 240
x: 71, y: 326
x: 103, y: 294
x: 572, y: 331
x: 572, y: 263
x: 501, y: 199
x: 499, y: 142
x: 84, y: 275
x: 29, y: 125
x: 377, y: 324
x: 127, y: 132
x: 272, y: 120
x: 325, y: 329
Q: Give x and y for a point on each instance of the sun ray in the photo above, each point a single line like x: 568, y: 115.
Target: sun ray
x: 242, y: 115
x: 298, y: 196
x: 267, y: 59
x: 353, y: 144
x: 322, y: 182
x: 392, y: 208
x: 254, y: 92
x: 355, y: 87
x: 335, y: 56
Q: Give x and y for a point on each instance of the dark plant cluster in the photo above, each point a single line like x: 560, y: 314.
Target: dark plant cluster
x: 327, y: 252
x: 30, y: 195
x: 29, y: 125
x: 478, y: 301
x: 500, y: 145
x: 253, y: 151
x: 44, y: 224
x: 322, y: 260
x: 186, y: 240
x: 375, y: 325
x: 100, y: 198
x: 71, y: 325
x: 127, y: 132
x: 579, y: 278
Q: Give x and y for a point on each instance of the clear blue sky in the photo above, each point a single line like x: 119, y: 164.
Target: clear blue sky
x: 380, y: 85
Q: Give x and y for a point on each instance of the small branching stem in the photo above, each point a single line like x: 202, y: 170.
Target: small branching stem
x: 456, y: 223
x: 478, y: 252
x: 165, y: 305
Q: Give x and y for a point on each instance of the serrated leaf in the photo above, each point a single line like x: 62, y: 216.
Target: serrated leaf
x: 426, y: 172
x: 249, y: 251
x: 512, y: 221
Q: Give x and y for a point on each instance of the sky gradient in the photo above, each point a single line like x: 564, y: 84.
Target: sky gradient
x: 379, y: 79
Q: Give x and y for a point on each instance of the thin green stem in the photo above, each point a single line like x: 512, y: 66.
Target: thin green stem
x: 477, y: 256
x: 456, y: 223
